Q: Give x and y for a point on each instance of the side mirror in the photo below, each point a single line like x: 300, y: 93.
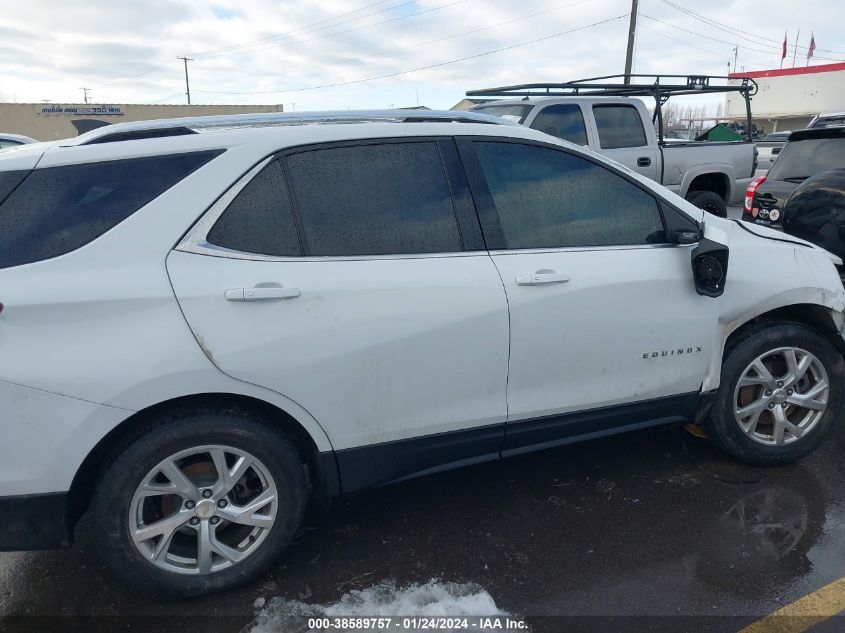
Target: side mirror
x: 685, y: 236
x: 710, y: 268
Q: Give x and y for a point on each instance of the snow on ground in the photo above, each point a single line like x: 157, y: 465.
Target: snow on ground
x: 434, y: 598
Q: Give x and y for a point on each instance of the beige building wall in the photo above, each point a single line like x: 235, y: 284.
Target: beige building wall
x: 788, y: 98
x: 51, y: 121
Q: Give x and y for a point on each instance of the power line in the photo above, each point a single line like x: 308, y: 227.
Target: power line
x: 707, y: 37
x: 357, y: 28
x: 293, y: 31
x: 428, y: 67
x: 776, y: 44
x: 426, y: 43
x: 305, y: 29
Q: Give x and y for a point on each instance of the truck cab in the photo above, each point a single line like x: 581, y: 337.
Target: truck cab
x: 709, y: 174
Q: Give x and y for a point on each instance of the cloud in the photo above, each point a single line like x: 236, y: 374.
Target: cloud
x: 127, y: 52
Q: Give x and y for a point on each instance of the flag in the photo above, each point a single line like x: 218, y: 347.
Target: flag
x: 783, y: 53
x: 812, y: 48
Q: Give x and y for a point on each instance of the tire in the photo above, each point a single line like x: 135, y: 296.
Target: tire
x: 762, y: 444
x: 709, y: 201
x: 241, y: 541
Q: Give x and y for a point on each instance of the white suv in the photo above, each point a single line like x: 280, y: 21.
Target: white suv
x: 208, y: 322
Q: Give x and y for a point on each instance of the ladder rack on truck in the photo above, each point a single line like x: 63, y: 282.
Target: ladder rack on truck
x: 660, y: 87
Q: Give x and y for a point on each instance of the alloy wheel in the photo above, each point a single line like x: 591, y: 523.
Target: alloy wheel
x: 781, y: 396
x: 203, y: 510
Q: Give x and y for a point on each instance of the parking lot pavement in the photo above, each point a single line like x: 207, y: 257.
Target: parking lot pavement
x: 645, y: 527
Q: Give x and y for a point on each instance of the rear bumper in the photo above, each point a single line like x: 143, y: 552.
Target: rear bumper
x: 34, y: 522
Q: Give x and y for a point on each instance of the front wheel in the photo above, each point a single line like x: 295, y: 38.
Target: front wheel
x: 781, y: 393
x: 199, y: 503
x: 709, y: 201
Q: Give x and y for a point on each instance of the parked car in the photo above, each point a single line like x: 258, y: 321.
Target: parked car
x: 14, y: 140
x: 208, y: 322
x: 828, y: 119
x: 816, y: 212
x: 769, y: 148
x: 709, y: 174
x: 806, y: 153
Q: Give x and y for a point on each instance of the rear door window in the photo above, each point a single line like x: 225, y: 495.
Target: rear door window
x: 619, y: 126
x: 56, y: 210
x: 379, y: 199
x: 563, y: 120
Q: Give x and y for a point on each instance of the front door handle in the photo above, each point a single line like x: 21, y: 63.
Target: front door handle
x: 261, y: 293
x: 541, y: 277
x: 643, y: 161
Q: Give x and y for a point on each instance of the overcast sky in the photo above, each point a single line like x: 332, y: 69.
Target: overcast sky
x: 378, y: 54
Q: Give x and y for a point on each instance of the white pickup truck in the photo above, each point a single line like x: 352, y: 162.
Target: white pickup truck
x: 709, y: 174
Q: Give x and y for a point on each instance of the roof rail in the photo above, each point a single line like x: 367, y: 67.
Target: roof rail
x: 190, y: 125
x: 660, y: 87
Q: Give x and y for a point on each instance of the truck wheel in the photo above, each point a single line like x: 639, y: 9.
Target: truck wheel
x: 781, y: 392
x: 199, y: 503
x: 709, y: 201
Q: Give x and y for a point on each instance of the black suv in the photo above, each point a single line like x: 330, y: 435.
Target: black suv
x: 806, y: 153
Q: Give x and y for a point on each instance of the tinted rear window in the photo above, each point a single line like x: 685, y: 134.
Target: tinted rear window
x: 802, y: 159
x: 260, y: 218
x: 385, y: 199
x: 619, y: 126
x: 563, y: 120
x: 59, y: 209
x: 9, y: 180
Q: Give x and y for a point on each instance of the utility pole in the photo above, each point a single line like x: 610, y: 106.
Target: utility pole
x: 632, y: 33
x: 187, y: 83
x: 85, y: 94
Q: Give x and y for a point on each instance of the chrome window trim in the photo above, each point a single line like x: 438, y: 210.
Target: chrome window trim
x: 195, y: 240
x: 585, y: 249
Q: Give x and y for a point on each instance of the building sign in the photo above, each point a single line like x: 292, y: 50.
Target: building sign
x: 81, y: 110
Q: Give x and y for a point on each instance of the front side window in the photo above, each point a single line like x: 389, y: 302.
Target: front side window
x: 56, y: 210
x: 563, y: 120
x: 547, y: 198
x: 383, y: 199
x: 619, y: 126
x: 260, y: 218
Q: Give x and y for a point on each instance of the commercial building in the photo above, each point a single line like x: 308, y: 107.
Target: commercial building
x: 788, y: 98
x: 50, y: 121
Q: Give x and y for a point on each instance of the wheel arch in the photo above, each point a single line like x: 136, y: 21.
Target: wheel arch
x: 714, y: 181
x: 815, y: 316
x: 320, y: 466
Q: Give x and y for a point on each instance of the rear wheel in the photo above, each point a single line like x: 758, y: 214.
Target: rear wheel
x: 781, y: 392
x: 709, y: 201
x: 202, y: 503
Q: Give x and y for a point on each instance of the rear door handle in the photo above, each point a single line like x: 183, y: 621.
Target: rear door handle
x: 261, y: 294
x: 539, y: 278
x: 643, y: 161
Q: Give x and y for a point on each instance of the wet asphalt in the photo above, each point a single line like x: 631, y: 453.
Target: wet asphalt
x: 649, y: 531
x: 653, y: 530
